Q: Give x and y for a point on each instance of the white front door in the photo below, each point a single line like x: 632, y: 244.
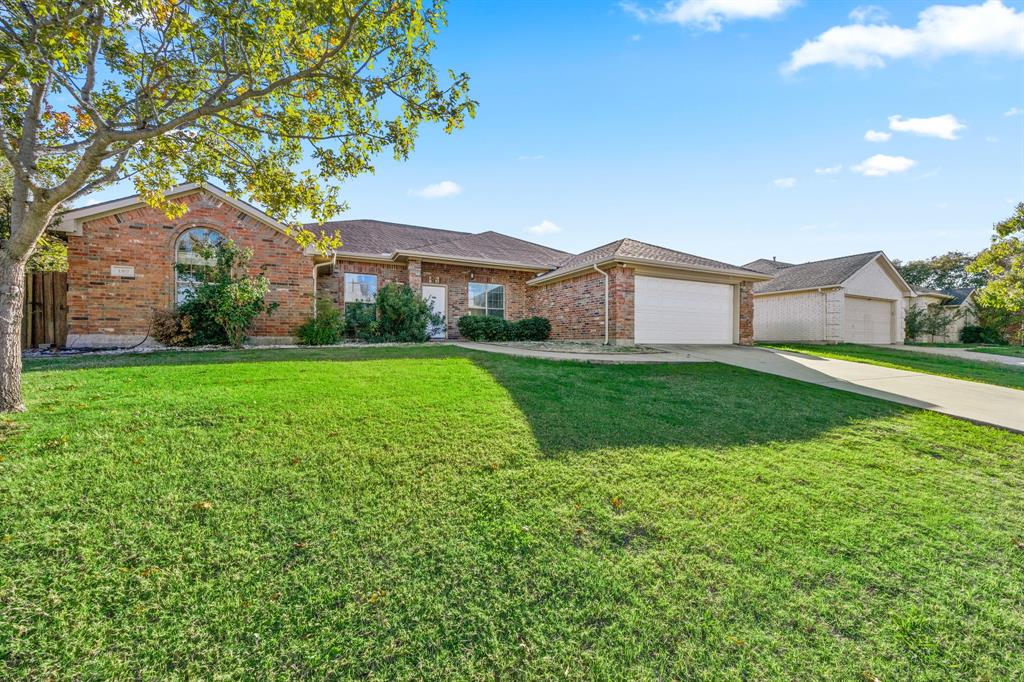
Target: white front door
x: 682, y: 311
x: 436, y: 296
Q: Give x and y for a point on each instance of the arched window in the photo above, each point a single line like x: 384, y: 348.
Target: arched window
x: 192, y: 259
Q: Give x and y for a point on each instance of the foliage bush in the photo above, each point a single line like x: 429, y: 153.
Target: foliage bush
x: 324, y: 328
x: 484, y: 328
x: 360, y: 320
x: 401, y: 316
x: 932, y: 321
x: 531, y: 329
x: 974, y: 333
x: 171, y: 328
x: 226, y: 301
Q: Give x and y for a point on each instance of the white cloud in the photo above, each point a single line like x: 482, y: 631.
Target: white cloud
x: 877, y: 136
x: 785, y: 183
x: 529, y: 157
x: 1013, y: 111
x: 944, y: 127
x: 445, y: 188
x: 709, y: 14
x: 830, y: 170
x: 868, y: 14
x: 883, y: 164
x: 544, y: 227
x: 988, y: 28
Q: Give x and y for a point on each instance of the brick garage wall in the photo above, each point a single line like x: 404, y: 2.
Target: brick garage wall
x: 575, y: 306
x: 144, y: 238
x: 457, y: 279
x: 746, y: 291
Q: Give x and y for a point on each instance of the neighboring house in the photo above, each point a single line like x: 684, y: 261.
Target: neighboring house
x: 957, y: 302
x: 124, y: 260
x: 851, y: 299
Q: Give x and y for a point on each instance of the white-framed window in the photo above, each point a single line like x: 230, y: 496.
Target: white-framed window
x: 360, y: 288
x: 192, y: 259
x: 487, y: 299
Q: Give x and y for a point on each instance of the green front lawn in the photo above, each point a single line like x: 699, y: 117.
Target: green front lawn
x: 929, y: 363
x: 1012, y: 351
x: 437, y: 513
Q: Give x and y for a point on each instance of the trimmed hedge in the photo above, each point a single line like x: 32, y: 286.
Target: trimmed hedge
x: 976, y: 334
x: 486, y: 328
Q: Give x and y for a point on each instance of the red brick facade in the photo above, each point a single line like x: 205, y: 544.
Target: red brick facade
x: 107, y: 307
x: 101, y: 304
x: 575, y: 306
x: 746, y: 313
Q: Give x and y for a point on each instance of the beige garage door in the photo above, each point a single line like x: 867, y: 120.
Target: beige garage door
x: 680, y: 311
x: 868, y: 320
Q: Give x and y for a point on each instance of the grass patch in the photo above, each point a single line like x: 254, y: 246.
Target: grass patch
x: 1012, y: 351
x: 438, y: 513
x: 929, y: 363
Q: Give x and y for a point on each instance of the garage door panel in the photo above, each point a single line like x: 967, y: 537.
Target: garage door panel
x: 867, y: 320
x: 681, y: 311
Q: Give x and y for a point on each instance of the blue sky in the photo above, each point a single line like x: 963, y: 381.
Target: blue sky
x: 691, y: 129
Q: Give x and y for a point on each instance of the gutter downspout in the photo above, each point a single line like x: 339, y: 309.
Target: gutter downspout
x: 334, y: 261
x: 605, y: 303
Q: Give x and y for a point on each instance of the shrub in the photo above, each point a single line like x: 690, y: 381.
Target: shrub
x: 402, y: 315
x: 171, y: 327
x: 360, y: 320
x: 484, y: 328
x: 226, y: 301
x: 531, y: 329
x: 324, y: 328
x: 973, y: 333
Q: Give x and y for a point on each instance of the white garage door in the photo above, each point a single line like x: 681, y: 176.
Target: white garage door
x: 868, y: 320
x: 680, y: 311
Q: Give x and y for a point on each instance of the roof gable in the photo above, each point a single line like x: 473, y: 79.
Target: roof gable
x: 631, y: 250
x: 71, y: 221
x: 831, y: 272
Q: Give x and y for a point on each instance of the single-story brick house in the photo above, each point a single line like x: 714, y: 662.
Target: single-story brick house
x: 124, y: 257
x: 852, y: 299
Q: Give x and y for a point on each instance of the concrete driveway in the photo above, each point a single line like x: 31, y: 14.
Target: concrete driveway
x: 980, y: 403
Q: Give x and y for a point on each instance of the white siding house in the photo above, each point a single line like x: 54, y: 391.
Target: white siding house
x: 853, y: 299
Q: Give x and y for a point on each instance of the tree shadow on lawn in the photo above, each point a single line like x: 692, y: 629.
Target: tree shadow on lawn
x: 572, y: 406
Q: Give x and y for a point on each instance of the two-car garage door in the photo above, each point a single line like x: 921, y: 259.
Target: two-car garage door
x: 868, y: 320
x: 681, y: 311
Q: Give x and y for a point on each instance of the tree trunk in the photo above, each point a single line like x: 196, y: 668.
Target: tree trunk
x: 12, y: 301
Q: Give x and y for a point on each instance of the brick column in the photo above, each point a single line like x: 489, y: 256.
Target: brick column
x: 415, y: 275
x: 621, y: 305
x: 746, y: 313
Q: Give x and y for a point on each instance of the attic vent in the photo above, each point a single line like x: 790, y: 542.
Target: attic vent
x: 241, y: 217
x: 117, y: 218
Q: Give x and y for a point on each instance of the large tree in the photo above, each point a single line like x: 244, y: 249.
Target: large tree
x: 161, y: 91
x: 948, y: 271
x: 1003, y: 265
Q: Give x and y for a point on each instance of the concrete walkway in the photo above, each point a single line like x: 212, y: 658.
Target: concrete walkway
x: 980, y: 403
x: 619, y: 358
x: 964, y: 354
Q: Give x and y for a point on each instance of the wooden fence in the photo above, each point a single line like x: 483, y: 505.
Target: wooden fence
x: 45, y: 319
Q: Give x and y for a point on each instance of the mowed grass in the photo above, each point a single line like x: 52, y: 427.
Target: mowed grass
x: 981, y: 371
x: 435, y: 513
x: 1012, y: 351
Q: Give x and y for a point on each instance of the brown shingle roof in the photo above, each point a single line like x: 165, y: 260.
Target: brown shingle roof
x: 379, y: 238
x: 631, y: 249
x: 820, y: 273
x: 496, y: 247
x: 767, y: 267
